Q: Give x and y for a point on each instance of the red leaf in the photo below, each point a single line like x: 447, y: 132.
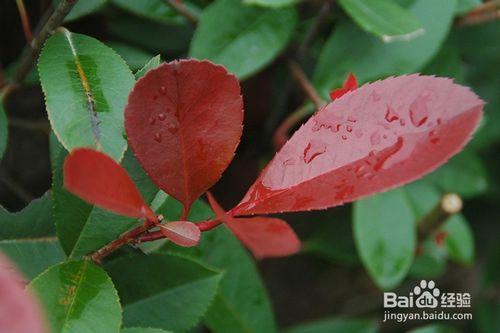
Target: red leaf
x: 99, y: 180
x: 264, y: 236
x: 182, y: 233
x: 184, y: 122
x: 380, y: 136
x: 350, y: 84
x: 19, y: 310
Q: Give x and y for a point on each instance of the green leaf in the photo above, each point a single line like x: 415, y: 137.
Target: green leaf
x: 28, y: 237
x: 459, y: 240
x: 349, y: 49
x: 162, y: 290
x: 270, y: 3
x: 435, y: 328
x: 86, y: 85
x: 430, y: 262
x: 134, y: 57
x: 156, y: 10
x: 241, y: 304
x: 332, y: 239
x: 384, y: 233
x: 78, y: 296
x: 150, y: 35
x: 83, y: 228
x: 4, y: 129
x: 152, y: 63
x: 84, y: 8
x: 464, y: 174
x: 142, y: 330
x: 383, y: 18
x: 487, y: 317
x: 249, y: 39
x: 337, y: 325
x: 447, y: 63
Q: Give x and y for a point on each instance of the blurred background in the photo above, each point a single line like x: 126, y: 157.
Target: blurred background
x: 328, y: 280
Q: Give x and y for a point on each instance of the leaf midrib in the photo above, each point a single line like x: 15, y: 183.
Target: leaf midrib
x: 94, y: 121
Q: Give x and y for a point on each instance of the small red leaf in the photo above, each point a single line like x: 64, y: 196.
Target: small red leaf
x: 182, y: 233
x: 350, y: 84
x: 264, y: 236
x: 381, y: 135
x: 98, y: 179
x: 184, y: 122
x: 19, y: 310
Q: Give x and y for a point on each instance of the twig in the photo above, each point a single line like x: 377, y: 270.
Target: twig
x: 449, y: 205
x: 128, y: 237
x: 15, y: 187
x: 301, y: 78
x: 281, y: 135
x: 24, y: 21
x: 280, y: 109
x: 320, y: 18
x: 32, y: 50
x: 141, y: 234
x: 485, y: 12
x: 183, y: 10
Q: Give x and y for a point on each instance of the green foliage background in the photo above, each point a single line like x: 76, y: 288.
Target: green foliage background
x: 350, y: 254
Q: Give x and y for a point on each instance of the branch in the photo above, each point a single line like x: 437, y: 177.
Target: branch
x: 301, y: 78
x: 141, y: 234
x: 485, y: 12
x: 281, y: 135
x: 31, y: 51
x: 128, y: 237
x: 24, y: 21
x: 318, y: 21
x: 178, y: 6
x: 449, y: 205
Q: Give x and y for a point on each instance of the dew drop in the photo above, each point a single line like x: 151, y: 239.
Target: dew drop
x: 289, y: 161
x: 351, y: 119
x: 172, y: 128
x: 152, y: 120
x: 313, y: 149
x: 163, y: 90
x: 391, y: 115
x: 402, y: 122
x: 419, y: 112
x: 344, y: 137
x: 158, y: 137
x: 162, y: 116
x: 348, y: 128
x: 375, y: 139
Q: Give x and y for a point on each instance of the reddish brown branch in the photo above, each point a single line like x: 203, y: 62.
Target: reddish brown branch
x: 485, y: 12
x: 301, y: 78
x: 281, y: 135
x: 183, y: 10
x: 31, y: 51
x: 449, y: 205
x: 24, y: 21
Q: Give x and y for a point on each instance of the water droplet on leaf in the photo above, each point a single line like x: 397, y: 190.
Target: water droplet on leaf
x: 313, y: 149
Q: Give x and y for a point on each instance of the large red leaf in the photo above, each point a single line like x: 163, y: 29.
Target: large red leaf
x: 265, y: 237
x: 379, y: 136
x: 99, y: 180
x: 184, y: 122
x: 19, y: 310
